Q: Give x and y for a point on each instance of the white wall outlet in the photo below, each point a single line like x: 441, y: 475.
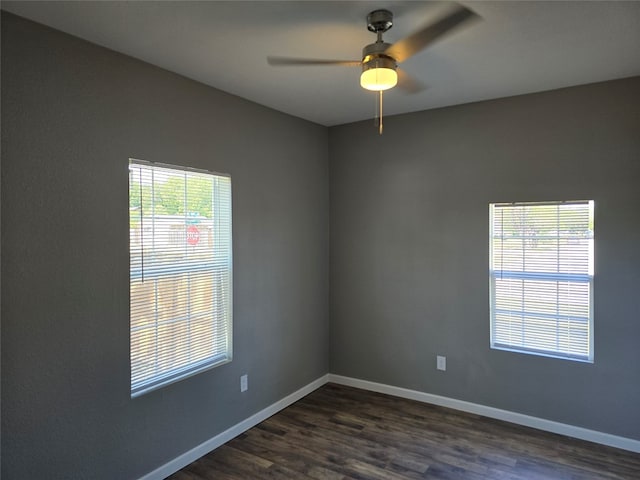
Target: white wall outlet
x: 441, y: 362
x: 244, y: 383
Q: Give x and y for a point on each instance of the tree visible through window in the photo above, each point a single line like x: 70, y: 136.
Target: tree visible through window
x: 541, y: 278
x: 180, y: 273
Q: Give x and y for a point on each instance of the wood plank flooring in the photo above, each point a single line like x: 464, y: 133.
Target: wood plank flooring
x: 343, y: 433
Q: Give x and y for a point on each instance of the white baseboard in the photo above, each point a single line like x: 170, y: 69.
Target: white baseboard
x: 513, y: 417
x: 192, y: 455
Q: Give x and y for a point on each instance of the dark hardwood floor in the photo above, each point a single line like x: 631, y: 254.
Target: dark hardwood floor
x: 342, y: 433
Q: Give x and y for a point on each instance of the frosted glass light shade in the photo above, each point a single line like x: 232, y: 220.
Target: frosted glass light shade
x: 378, y: 79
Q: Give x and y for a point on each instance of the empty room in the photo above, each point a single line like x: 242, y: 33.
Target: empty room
x: 328, y: 240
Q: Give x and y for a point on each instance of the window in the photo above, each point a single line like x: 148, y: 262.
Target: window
x: 541, y: 278
x: 180, y: 273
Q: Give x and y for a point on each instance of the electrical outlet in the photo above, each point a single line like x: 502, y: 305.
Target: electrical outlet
x: 441, y: 362
x: 244, y: 383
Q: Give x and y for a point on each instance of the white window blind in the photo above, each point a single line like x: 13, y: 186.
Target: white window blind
x: 541, y: 278
x: 180, y: 273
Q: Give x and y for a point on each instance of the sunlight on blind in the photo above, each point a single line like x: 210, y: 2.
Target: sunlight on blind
x: 180, y: 273
x: 541, y: 274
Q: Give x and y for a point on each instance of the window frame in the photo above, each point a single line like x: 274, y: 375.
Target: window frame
x: 187, y: 267
x: 544, y: 277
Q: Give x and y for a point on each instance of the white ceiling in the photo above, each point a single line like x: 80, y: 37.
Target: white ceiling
x: 518, y: 47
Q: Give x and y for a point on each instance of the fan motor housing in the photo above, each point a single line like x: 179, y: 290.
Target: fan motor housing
x: 373, y: 56
x: 378, y: 61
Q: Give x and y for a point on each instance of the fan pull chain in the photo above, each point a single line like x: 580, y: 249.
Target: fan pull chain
x: 375, y: 112
x: 380, y: 124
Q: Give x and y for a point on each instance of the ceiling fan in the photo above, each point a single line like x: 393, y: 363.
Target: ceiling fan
x: 380, y: 59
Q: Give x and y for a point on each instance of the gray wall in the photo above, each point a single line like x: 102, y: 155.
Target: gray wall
x: 72, y: 115
x: 409, y: 248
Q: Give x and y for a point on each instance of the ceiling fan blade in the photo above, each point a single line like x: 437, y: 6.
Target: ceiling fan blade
x: 292, y: 61
x: 409, y: 46
x: 408, y: 83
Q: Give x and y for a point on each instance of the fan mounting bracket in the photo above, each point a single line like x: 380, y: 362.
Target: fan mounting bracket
x: 379, y: 21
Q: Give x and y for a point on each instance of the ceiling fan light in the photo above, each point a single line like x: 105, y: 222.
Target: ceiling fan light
x: 377, y: 79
